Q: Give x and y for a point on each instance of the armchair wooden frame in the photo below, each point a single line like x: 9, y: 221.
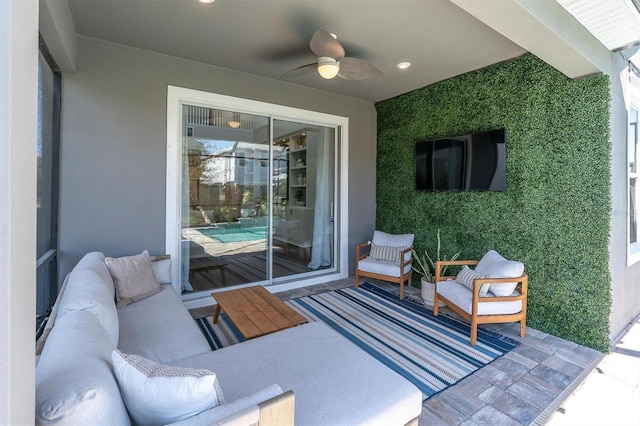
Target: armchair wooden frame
x: 474, y: 318
x: 404, y: 277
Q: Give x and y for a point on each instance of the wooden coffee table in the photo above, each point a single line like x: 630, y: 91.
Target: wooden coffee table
x: 255, y: 311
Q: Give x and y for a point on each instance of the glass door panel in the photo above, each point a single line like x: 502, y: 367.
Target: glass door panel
x: 225, y: 192
x: 257, y: 204
x: 303, y: 198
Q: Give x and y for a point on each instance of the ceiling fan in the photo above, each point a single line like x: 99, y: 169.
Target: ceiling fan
x: 332, y: 61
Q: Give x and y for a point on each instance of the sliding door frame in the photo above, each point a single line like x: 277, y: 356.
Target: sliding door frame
x: 177, y: 97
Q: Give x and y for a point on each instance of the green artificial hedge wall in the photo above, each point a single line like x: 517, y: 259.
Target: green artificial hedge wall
x: 554, y: 214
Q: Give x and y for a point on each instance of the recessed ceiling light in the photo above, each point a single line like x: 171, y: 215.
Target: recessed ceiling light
x: 206, y: 1
x: 404, y: 65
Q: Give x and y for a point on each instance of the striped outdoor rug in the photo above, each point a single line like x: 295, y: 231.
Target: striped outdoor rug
x: 431, y: 352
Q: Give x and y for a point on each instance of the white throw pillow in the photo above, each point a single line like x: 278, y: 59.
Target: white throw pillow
x: 162, y: 270
x: 133, y: 277
x: 466, y: 277
x: 496, y: 266
x: 162, y: 394
x: 391, y: 254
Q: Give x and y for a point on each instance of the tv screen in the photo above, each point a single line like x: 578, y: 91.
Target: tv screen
x: 474, y: 162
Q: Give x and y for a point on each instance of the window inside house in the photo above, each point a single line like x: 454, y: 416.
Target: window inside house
x: 47, y: 184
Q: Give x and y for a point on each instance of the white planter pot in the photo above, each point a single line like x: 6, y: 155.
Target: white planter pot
x: 427, y: 291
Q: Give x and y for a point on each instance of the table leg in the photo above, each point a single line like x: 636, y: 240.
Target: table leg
x: 224, y: 279
x: 216, y: 314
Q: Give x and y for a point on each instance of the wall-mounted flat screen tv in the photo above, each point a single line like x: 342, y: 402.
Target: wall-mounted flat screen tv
x: 474, y: 162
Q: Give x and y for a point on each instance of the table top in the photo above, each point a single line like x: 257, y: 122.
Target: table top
x: 256, y: 312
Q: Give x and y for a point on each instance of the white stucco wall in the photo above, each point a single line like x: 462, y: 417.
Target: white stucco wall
x: 18, y: 118
x: 625, y: 280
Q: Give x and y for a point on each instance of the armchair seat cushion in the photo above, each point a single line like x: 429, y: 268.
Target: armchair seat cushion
x: 462, y: 297
x: 382, y: 267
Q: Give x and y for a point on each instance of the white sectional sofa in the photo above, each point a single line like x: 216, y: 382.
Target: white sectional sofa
x: 334, y: 382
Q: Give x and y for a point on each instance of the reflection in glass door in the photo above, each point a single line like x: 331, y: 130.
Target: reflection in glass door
x: 254, y: 211
x: 303, y: 188
x: 225, y: 187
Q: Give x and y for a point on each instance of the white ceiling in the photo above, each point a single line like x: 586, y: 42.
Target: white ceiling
x: 270, y: 37
x: 616, y: 23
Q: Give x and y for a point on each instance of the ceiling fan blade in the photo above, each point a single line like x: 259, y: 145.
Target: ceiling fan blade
x: 300, y: 71
x: 357, y: 69
x: 323, y: 44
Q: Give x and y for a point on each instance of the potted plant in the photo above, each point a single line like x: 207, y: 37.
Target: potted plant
x: 426, y: 268
x: 247, y: 196
x: 225, y: 214
x: 300, y: 197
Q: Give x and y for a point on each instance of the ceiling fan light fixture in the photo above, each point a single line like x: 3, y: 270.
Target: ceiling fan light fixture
x: 328, y: 67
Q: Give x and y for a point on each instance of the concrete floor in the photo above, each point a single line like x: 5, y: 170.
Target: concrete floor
x: 545, y: 380
x: 610, y: 395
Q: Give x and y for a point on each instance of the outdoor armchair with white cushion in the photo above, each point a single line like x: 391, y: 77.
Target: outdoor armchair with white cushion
x: 388, y: 258
x: 495, y: 292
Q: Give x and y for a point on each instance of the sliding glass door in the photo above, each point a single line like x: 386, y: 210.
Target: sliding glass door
x: 257, y: 198
x: 225, y: 189
x: 303, y: 208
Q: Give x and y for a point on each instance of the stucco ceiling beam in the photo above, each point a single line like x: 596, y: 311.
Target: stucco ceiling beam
x: 545, y: 29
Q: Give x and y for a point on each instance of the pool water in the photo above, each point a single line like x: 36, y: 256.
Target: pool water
x: 235, y: 232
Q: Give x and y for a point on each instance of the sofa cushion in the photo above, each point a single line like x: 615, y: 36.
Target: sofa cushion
x: 243, y: 411
x: 161, y: 394
x: 390, y: 240
x: 461, y: 296
x: 145, y: 325
x: 85, y: 291
x: 94, y: 261
x: 162, y: 270
x: 133, y: 277
x: 496, y: 266
x: 74, y: 379
x: 466, y: 277
x: 345, y: 386
x: 383, y: 267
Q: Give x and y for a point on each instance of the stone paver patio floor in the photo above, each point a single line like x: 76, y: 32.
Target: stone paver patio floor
x: 534, y: 383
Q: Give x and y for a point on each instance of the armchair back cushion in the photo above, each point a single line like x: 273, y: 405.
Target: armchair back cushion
x: 496, y: 266
x: 466, y: 277
x: 391, y: 254
x: 389, y: 240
